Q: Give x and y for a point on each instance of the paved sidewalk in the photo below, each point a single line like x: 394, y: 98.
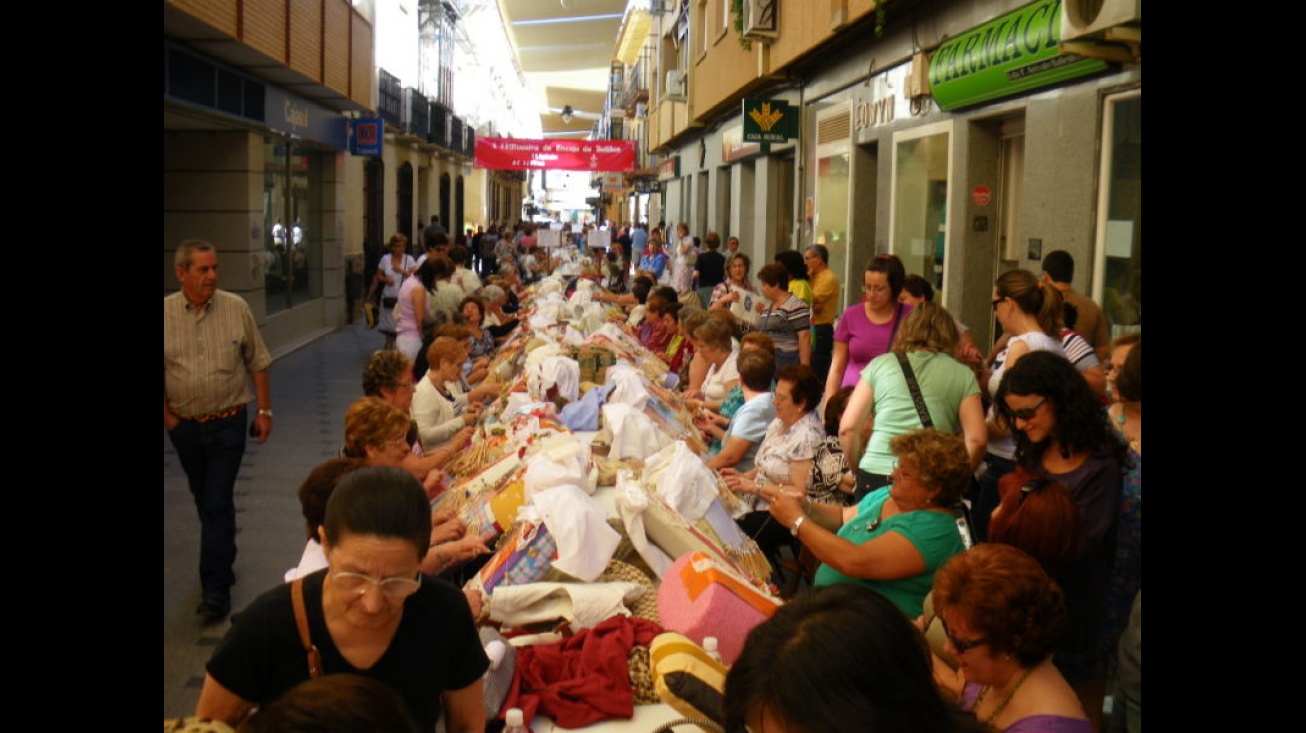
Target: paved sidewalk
x: 311, y: 389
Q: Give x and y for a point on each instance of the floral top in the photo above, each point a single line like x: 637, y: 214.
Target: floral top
x: 780, y: 447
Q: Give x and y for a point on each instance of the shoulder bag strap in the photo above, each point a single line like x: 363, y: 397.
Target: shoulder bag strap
x: 897, y: 318
x: 960, y: 512
x: 301, y: 620
x: 915, y: 388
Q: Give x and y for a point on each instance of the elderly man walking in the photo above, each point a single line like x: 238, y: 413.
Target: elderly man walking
x: 211, y: 350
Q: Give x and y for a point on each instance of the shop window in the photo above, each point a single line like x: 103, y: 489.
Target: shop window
x: 292, y: 193
x: 826, y: 218
x: 920, y: 197
x: 1118, y: 284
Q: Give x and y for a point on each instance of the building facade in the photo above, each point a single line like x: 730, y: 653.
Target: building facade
x: 968, y: 138
x: 259, y: 100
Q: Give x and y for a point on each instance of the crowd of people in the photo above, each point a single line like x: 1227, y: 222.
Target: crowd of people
x: 930, y: 434
x: 972, y: 521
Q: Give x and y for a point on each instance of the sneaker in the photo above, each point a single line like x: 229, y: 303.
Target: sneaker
x: 214, y: 608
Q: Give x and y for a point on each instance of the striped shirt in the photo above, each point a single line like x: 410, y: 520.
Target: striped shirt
x: 783, y: 323
x: 208, y: 356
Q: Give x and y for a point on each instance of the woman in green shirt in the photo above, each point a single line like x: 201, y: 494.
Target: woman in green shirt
x: 896, y: 537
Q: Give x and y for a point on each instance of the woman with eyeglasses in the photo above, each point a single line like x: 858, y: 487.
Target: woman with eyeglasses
x: 379, y: 434
x: 388, y: 375
x: 370, y: 612
x: 1063, y: 434
x: 898, y: 535
x: 1002, y: 614
x: 1029, y: 312
x: 867, y: 329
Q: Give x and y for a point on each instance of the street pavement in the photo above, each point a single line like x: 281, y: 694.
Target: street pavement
x: 312, y: 387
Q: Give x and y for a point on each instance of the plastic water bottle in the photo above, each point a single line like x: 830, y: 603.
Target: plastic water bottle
x: 516, y: 721
x: 710, y: 646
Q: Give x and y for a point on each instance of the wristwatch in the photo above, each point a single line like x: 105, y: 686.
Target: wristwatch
x: 797, y: 523
x: 264, y: 413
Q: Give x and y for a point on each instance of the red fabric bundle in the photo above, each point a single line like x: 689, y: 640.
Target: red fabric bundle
x: 582, y: 679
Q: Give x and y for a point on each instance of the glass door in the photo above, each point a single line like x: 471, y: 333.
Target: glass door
x: 921, y: 168
x: 1118, y: 279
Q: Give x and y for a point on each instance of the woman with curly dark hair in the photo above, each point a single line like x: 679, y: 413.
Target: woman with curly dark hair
x: 1062, y: 433
x: 1002, y: 615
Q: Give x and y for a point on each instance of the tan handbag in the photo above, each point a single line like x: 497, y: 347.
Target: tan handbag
x: 305, y: 638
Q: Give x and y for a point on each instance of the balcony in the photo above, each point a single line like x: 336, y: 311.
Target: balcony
x: 456, y: 131
x: 439, y: 125
x: 390, y: 98
x: 419, y: 114
x: 635, y: 90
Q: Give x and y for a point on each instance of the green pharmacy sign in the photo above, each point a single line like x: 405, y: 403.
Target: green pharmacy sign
x: 1012, y: 54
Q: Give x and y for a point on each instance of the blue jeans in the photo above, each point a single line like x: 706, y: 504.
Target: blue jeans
x: 210, y: 453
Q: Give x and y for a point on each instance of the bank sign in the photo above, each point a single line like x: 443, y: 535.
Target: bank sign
x: 1012, y: 54
x: 769, y: 121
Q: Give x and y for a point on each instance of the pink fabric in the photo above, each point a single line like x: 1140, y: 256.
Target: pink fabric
x: 717, y: 611
x: 583, y: 679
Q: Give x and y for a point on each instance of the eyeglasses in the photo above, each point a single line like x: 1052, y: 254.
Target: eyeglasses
x: 961, y: 646
x: 1028, y: 413
x: 359, y: 584
x: 875, y: 290
x: 995, y: 302
x: 898, y: 473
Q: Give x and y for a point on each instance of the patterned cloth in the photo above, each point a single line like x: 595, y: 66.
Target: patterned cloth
x: 828, y: 469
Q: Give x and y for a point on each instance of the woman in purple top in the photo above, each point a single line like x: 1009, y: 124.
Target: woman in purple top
x: 1001, y: 616
x: 867, y: 329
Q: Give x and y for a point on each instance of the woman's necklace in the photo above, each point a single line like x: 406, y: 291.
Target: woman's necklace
x: 1002, y: 705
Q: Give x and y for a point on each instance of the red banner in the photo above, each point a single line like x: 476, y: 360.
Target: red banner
x: 516, y: 154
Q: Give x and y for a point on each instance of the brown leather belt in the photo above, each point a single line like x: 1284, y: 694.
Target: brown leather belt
x: 218, y: 415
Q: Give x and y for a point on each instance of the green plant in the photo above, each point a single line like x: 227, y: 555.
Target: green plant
x: 737, y: 10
